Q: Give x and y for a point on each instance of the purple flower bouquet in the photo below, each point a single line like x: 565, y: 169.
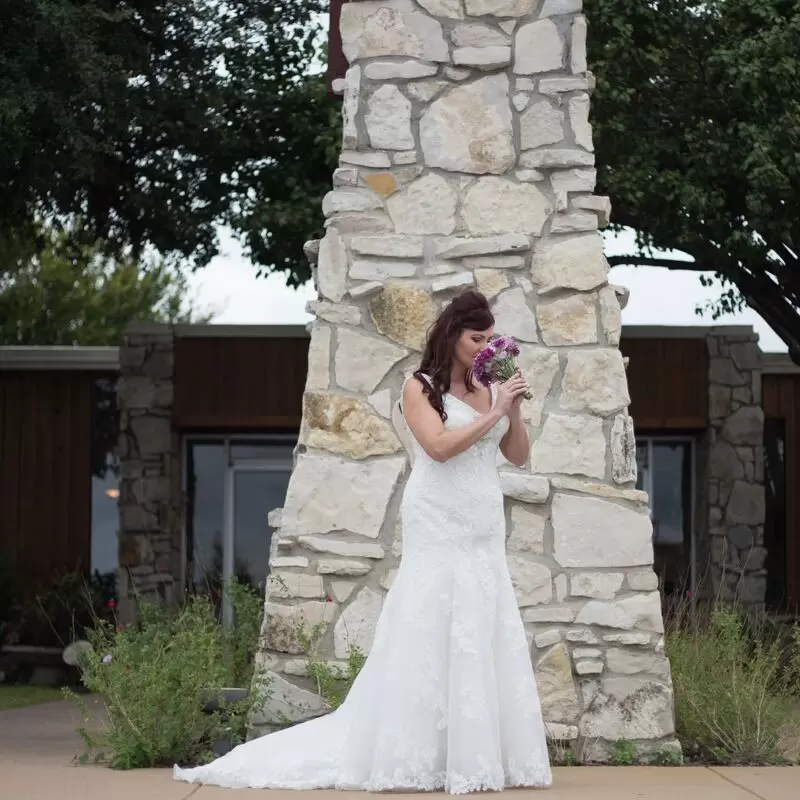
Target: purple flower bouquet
x: 497, y: 362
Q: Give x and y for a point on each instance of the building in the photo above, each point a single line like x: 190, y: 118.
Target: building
x: 165, y: 457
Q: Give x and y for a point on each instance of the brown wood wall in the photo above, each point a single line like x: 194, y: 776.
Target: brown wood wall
x: 45, y: 474
x: 781, y: 400
x: 239, y: 383
x: 337, y: 63
x: 668, y: 383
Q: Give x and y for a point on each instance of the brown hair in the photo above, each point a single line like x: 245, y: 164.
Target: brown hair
x: 467, y: 311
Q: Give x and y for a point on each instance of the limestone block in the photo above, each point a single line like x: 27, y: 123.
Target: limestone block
x: 426, y: 206
x: 746, y: 504
x: 279, y: 629
x: 571, y: 180
x: 595, y: 380
x: 335, y: 566
x: 570, y: 262
x: 514, y: 317
x: 598, y: 585
x: 627, y: 662
x: 497, y: 205
x: 570, y: 320
x: 332, y: 266
x: 500, y: 8
x: 350, y: 106
x: 362, y: 361
x: 623, y: 450
x: 469, y: 128
x: 532, y: 581
x: 556, y: 686
x: 404, y: 314
x: 578, y: 48
x: 540, y: 125
x: 524, y: 487
x: 540, y: 366
x: 388, y: 119
x: 539, y: 48
x: 482, y: 246
x: 548, y: 638
x: 490, y: 282
x: 388, y: 246
x: 378, y: 28
x: 404, y: 70
x: 356, y: 626
x: 575, y: 222
x: 443, y: 8
x: 336, y: 313
x: 644, y: 580
x: 556, y: 159
x: 527, y: 530
x: 579, y: 121
x: 476, y: 35
x: 573, y: 445
x: 287, y: 702
x: 641, y: 611
x: 610, y: 316
x: 488, y: 58
x: 286, y: 585
x: 745, y: 426
x: 327, y: 493
x: 326, y: 544
x: 590, y: 532
x: 556, y: 8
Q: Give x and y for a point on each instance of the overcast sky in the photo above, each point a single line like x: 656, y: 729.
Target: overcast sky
x: 658, y: 296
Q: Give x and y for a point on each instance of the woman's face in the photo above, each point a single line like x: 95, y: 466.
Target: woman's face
x: 469, y: 344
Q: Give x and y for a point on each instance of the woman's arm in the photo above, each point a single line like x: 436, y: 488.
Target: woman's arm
x: 515, y: 445
x: 428, y: 428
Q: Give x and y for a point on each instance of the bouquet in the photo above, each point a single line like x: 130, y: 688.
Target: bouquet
x: 496, y: 363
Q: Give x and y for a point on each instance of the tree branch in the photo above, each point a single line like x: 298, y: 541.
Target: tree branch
x: 643, y: 261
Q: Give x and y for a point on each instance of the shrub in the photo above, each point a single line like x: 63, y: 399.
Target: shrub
x: 623, y: 753
x: 735, y: 682
x: 155, y: 676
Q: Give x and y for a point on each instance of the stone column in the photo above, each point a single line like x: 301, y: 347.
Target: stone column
x: 468, y: 161
x: 149, y: 505
x: 735, y: 467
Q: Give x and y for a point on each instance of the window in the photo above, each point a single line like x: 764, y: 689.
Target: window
x: 105, y: 477
x: 232, y: 484
x: 666, y: 473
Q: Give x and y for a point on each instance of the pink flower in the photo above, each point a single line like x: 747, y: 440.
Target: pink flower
x: 108, y: 658
x: 112, y: 603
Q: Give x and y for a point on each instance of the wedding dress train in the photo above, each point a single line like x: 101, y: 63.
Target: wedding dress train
x: 447, y: 698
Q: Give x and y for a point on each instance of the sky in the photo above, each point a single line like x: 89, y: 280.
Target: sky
x: 230, y: 288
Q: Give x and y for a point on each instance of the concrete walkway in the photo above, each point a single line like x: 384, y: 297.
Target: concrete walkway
x: 38, y: 744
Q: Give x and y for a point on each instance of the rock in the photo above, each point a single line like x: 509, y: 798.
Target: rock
x: 405, y: 70
x: 723, y: 370
x: 490, y: 282
x: 382, y: 402
x: 404, y: 314
x: 342, y: 590
x: 577, y: 222
x: 741, y: 537
x: 556, y: 8
x: 610, y: 316
x: 361, y: 222
x: 641, y: 611
x: 556, y: 687
x: 560, y: 584
x: 343, y: 176
x: 598, y: 585
x: 572, y: 180
x: 374, y: 29
x: 571, y: 320
x: 494, y: 262
x: 342, y: 567
x: 548, y: 614
x: 356, y: 626
x: 589, y: 532
x: 482, y: 57
x: 539, y: 48
x: 582, y: 636
x: 548, y: 638
x: 405, y: 157
x: 628, y: 639
x: 381, y: 270
x: 350, y: 106
x: 626, y: 662
x: 623, y: 450
x: 643, y: 580
x: 383, y: 183
x: 532, y: 581
x: 570, y: 262
x: 469, y: 128
x: 284, y: 585
x: 388, y: 246
x: 349, y: 200
x: 578, y: 48
x: 514, y: 317
x: 570, y: 445
x: 449, y: 283
x: 428, y: 205
x: 286, y: 702
x: 555, y: 159
x: 388, y: 579
x: 443, y: 8
x: 746, y: 355
x: 279, y: 629
x: 630, y: 709
x: 601, y: 206
x: 579, y: 121
x: 425, y: 91
x: 328, y: 494
x: 388, y: 119
x: 589, y: 667
x: 498, y: 205
x: 561, y: 733
x: 603, y: 490
x: 319, y: 358
x: 362, y: 361
x: 520, y: 101
x: 527, y: 531
x: 364, y: 159
x: 746, y: 504
x: 595, y: 380
x: 483, y: 246
x: 282, y: 562
x: 324, y: 544
x: 524, y: 487
x: 337, y: 313
x: 557, y: 86
x: 457, y: 74
x: 500, y: 8
x: 474, y: 35
x: 540, y: 125
x: 745, y: 426
x: 540, y: 367
x: 365, y: 289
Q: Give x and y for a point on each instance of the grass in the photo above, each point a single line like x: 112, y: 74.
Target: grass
x: 20, y: 696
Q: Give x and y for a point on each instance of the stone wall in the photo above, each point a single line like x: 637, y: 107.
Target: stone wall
x: 150, y: 490
x: 468, y: 161
x: 735, y: 468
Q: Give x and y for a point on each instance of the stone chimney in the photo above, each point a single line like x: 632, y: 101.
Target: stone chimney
x: 467, y: 161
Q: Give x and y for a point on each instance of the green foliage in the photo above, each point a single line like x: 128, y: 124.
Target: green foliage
x: 735, y: 682
x: 666, y: 757
x: 333, y: 682
x: 707, y: 91
x: 561, y: 753
x: 75, y: 295
x: 163, y: 121
x: 154, y: 677
x: 623, y: 753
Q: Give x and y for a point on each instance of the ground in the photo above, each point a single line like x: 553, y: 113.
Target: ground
x: 24, y: 695
x: 38, y: 744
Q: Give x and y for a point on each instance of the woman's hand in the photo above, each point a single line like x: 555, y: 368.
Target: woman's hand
x: 510, y: 393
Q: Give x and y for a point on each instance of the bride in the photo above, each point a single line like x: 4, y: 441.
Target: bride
x: 447, y: 698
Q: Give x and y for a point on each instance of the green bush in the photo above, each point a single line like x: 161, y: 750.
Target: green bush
x: 735, y: 681
x: 154, y: 677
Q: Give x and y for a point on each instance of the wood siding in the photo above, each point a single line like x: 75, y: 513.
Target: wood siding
x: 239, y: 383
x: 668, y: 383
x: 781, y: 400
x: 337, y: 63
x: 45, y: 474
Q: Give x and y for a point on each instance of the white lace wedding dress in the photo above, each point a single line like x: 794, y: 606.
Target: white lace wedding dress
x: 447, y: 698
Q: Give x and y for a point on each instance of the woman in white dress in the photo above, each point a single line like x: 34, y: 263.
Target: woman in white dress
x: 447, y: 698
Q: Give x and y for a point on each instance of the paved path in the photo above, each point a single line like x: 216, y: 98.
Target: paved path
x: 37, y: 745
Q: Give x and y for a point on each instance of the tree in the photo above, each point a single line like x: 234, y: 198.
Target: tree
x: 68, y: 296
x: 697, y: 130
x: 156, y: 121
